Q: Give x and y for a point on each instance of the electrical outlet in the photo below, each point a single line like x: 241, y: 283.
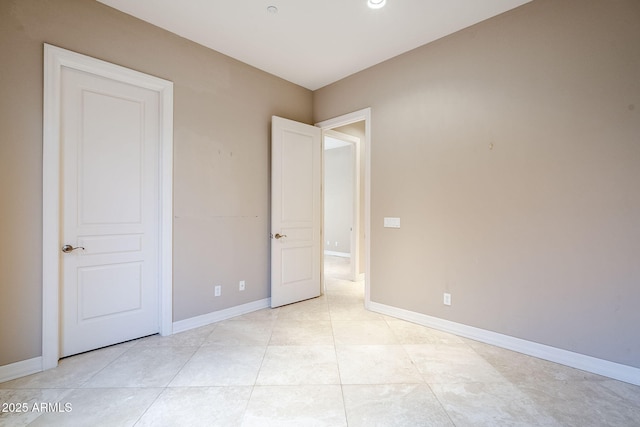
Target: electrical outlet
x: 447, y: 299
x: 217, y: 291
x: 241, y: 285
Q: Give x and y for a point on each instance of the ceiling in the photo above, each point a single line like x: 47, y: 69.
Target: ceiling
x: 312, y: 43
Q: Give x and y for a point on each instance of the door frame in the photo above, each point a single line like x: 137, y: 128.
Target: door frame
x: 347, y: 119
x: 55, y: 59
x: 354, y: 239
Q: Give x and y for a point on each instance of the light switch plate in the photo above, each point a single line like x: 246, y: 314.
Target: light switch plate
x: 390, y: 222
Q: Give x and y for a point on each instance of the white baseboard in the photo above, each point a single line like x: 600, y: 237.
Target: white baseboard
x: 217, y: 316
x: 32, y: 366
x: 583, y: 362
x: 20, y: 369
x: 594, y: 365
x: 340, y: 254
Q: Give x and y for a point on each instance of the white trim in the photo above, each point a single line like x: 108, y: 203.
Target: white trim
x: 583, y: 362
x: 55, y: 59
x: 340, y: 254
x: 217, y: 316
x: 166, y: 212
x: 347, y: 119
x: 20, y: 369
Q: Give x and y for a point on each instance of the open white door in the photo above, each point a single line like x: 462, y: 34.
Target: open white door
x: 296, y: 245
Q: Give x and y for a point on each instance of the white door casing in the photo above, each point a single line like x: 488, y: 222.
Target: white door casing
x: 296, y: 215
x: 107, y: 187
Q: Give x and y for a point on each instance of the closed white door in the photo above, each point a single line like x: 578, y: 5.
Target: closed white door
x: 296, y: 155
x: 110, y: 211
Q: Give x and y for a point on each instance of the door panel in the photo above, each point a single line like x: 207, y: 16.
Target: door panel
x: 295, y: 211
x: 297, y: 264
x: 109, y: 290
x: 111, y: 145
x: 110, y: 211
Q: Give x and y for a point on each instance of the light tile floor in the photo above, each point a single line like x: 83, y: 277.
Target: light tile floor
x: 322, y: 362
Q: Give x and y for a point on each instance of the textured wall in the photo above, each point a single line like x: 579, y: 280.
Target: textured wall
x: 511, y: 152
x: 222, y: 112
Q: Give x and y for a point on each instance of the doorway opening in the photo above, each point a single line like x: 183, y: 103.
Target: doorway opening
x: 346, y: 191
x: 341, y: 188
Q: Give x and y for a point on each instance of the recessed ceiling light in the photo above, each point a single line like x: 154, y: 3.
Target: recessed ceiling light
x: 376, y: 4
x: 273, y: 9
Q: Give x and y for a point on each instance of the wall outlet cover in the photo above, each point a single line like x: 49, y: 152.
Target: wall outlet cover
x: 447, y: 298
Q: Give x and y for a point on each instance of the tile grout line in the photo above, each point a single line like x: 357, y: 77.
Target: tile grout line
x: 166, y: 387
x: 255, y: 381
x: 335, y: 351
x: 135, y: 344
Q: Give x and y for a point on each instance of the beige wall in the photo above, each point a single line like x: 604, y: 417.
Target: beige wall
x: 222, y: 115
x: 511, y: 152
x: 538, y: 237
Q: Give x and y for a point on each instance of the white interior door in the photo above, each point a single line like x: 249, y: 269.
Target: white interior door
x: 296, y: 155
x: 110, y: 211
